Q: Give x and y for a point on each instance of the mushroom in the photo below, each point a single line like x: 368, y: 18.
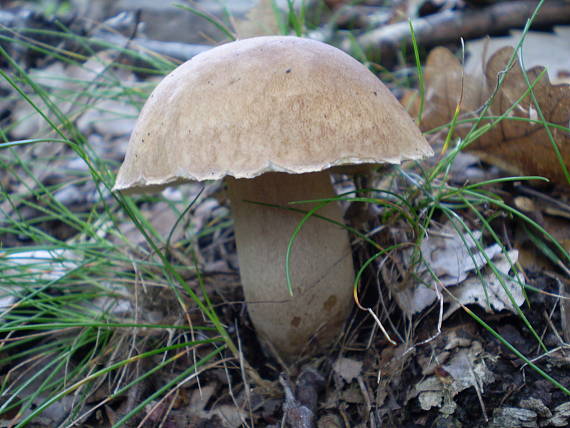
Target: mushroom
x: 274, y: 114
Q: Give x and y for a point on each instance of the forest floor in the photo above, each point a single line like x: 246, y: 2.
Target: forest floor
x: 120, y: 311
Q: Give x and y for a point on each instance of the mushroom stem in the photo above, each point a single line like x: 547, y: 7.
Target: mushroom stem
x: 321, y: 261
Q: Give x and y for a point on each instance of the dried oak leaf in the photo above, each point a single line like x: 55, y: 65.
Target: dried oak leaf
x: 519, y: 143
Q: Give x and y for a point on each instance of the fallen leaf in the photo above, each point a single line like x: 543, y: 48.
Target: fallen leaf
x: 561, y: 416
x: 32, y: 266
x: 556, y: 58
x: 519, y: 143
x: 488, y: 292
x: 524, y: 147
x: 43, y: 265
x: 513, y: 417
x: 452, y: 255
x: 347, y: 368
x: 455, y: 259
x: 536, y: 405
x: 465, y: 369
x: 230, y: 415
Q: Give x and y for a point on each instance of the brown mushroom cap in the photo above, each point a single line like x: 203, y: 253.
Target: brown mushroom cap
x: 264, y: 104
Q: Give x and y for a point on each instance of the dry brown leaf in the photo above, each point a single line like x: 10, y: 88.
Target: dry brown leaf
x: 556, y: 58
x: 518, y: 146
x: 444, y: 80
x: 524, y: 147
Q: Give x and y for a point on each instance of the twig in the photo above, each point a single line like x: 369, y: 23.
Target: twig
x: 14, y: 22
x: 173, y: 50
x: 295, y: 413
x: 448, y: 26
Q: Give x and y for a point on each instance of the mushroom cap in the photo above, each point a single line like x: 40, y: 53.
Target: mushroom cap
x: 276, y: 103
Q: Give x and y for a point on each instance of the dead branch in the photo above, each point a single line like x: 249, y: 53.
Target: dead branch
x: 173, y: 50
x: 19, y: 24
x: 448, y: 26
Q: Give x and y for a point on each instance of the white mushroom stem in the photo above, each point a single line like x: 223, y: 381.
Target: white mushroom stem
x: 321, y: 263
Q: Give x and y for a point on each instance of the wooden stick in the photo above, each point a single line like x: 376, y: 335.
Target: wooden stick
x: 384, y: 43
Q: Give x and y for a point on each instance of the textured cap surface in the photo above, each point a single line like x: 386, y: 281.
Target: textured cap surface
x: 273, y: 103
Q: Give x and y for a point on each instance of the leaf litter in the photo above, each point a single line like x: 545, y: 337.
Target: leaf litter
x: 520, y: 142
x: 460, y: 267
